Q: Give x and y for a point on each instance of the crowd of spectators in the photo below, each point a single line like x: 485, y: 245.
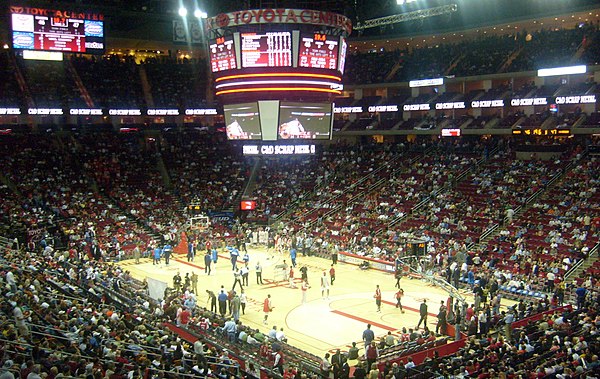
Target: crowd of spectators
x: 50, y: 84
x: 11, y: 94
x: 74, y: 317
x: 112, y: 81
x: 486, y: 54
x: 562, y: 344
x: 177, y: 84
x: 100, y: 190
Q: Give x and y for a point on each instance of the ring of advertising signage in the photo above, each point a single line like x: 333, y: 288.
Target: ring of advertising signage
x: 57, y: 30
x: 278, y: 149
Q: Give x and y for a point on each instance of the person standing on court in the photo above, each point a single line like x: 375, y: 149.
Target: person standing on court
x: 258, y: 273
x: 293, y: 256
x: 237, y: 278
x: 399, y: 296
x: 304, y: 288
x: 368, y: 336
x: 136, y: 253
x: 377, y: 298
x: 334, y: 253
x: 207, y: 262
x: 167, y: 250
x: 267, y: 308
x: 212, y: 299
x: 398, y: 276
x: 243, y: 301
x: 324, y: 285
x: 190, y: 253
x: 222, y: 302
x: 423, y: 314
x: 157, y: 254
x: 442, y: 324
x: 332, y: 274
x: 194, y: 282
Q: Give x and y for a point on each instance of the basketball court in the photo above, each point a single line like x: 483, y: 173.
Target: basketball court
x: 321, y: 324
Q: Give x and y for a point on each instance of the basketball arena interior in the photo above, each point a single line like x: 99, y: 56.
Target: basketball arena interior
x: 358, y: 168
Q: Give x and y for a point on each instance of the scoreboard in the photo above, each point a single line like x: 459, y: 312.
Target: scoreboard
x: 271, y: 49
x: 57, y: 30
x: 222, y: 54
x: 277, y: 49
x: 319, y: 51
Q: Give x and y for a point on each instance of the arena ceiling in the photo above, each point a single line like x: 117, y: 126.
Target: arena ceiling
x: 134, y: 16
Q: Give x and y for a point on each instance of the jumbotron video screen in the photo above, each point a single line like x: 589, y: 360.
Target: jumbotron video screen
x: 57, y: 30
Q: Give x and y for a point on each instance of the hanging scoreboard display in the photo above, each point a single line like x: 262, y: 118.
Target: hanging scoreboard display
x: 271, y: 49
x: 318, y: 51
x: 57, y: 30
x: 222, y: 54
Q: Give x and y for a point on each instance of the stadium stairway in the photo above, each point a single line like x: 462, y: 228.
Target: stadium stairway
x: 21, y: 80
x: 251, y: 183
x: 357, y: 196
x: 577, y: 272
x: 398, y: 220
x: 79, y: 83
x: 494, y: 230
x: 151, y: 232
x: 146, y: 86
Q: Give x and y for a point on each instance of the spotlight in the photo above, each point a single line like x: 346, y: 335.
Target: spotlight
x: 200, y: 14
x: 182, y: 11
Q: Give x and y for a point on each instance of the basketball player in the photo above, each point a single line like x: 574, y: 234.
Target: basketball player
x: 324, y: 286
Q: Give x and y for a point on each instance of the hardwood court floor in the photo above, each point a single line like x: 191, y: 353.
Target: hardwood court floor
x: 322, y: 324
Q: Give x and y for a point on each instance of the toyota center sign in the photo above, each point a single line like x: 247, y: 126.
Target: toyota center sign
x: 280, y: 16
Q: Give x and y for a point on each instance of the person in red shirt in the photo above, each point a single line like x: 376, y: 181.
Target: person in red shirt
x: 332, y: 274
x: 399, y: 296
x: 377, y: 298
x: 291, y: 277
x: 184, y: 316
x: 371, y: 353
x: 267, y: 308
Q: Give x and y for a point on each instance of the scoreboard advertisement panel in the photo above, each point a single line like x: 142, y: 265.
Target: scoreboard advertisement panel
x: 222, y: 54
x: 343, y: 49
x: 305, y: 120
x: 242, y: 121
x: 270, y: 49
x: 319, y: 51
x: 56, y: 30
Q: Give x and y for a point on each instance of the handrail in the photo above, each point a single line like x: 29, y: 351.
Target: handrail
x: 104, y: 360
x: 571, y: 271
x: 351, y: 188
